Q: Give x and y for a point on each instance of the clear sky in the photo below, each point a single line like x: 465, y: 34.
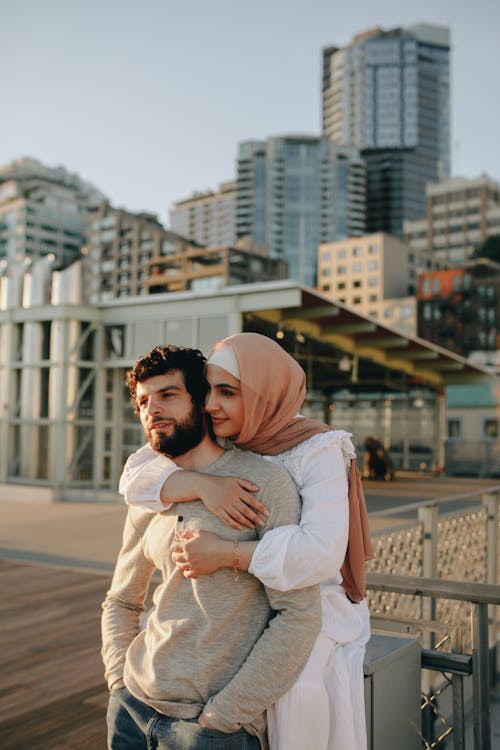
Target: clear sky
x: 148, y: 99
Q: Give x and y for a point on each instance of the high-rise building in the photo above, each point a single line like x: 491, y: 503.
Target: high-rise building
x: 43, y: 211
x: 207, y: 218
x: 387, y: 94
x: 461, y: 214
x: 294, y: 192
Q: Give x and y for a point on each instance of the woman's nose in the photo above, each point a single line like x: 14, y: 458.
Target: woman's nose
x: 210, y: 402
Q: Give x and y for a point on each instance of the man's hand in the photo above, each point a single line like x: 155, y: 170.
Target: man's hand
x: 204, y: 722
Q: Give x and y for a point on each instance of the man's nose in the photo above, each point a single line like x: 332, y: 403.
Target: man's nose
x: 153, y: 406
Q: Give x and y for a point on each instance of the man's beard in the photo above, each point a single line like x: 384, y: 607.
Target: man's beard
x: 186, y: 435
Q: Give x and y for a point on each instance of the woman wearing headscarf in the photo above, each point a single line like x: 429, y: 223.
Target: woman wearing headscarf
x: 255, y: 392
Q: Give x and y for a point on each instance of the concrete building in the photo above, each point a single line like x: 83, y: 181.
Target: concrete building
x: 366, y: 272
x: 459, y: 308
x: 66, y: 424
x: 209, y: 269
x: 118, y: 246
x: 461, y: 214
x: 43, y: 211
x: 387, y: 94
x: 207, y: 218
x: 294, y: 192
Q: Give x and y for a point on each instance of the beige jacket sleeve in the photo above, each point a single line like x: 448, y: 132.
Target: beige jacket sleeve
x: 124, y: 602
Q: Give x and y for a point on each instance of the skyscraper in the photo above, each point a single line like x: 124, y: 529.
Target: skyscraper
x: 207, y: 218
x: 387, y: 94
x: 294, y: 192
x: 43, y: 211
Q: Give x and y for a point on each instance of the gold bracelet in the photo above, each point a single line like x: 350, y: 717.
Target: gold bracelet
x: 236, y: 572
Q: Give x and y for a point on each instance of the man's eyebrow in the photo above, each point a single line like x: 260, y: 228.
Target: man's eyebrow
x: 162, y: 390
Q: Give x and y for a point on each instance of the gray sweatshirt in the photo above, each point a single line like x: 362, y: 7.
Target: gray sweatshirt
x: 228, y: 648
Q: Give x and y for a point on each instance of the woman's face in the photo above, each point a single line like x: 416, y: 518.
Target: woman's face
x: 224, y: 402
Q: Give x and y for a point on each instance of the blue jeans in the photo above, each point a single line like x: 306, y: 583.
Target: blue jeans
x: 133, y: 725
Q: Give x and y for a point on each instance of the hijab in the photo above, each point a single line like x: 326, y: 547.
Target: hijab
x: 273, y: 388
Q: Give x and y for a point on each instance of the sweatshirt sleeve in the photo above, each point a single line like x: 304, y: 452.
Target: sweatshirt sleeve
x: 124, y: 602
x: 312, y: 552
x: 280, y: 654
x: 143, y: 476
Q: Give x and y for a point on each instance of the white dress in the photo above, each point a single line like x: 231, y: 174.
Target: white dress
x: 324, y: 710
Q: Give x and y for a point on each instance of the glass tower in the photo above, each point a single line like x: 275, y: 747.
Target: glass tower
x: 387, y: 93
x: 294, y: 192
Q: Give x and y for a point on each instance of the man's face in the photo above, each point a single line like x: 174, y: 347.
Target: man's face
x: 172, y: 424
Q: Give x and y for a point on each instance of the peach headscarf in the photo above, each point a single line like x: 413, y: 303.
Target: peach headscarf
x: 273, y: 388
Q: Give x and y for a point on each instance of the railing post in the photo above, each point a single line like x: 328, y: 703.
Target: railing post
x: 480, y: 678
x: 490, y: 502
x: 428, y: 517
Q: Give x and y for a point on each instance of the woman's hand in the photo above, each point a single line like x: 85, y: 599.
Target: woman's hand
x: 197, y: 553
x: 232, y: 500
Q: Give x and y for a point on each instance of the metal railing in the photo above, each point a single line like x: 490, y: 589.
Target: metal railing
x: 459, y: 665
x: 454, y: 554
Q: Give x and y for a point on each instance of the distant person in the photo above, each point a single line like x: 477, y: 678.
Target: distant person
x: 256, y: 390
x: 216, y: 651
x: 377, y: 464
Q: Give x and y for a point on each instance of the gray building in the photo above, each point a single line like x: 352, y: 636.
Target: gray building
x: 294, y: 192
x: 43, y: 211
x: 387, y: 93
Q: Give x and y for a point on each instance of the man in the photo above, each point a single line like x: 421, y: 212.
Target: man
x: 217, y: 650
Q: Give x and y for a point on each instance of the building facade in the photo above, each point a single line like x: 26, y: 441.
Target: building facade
x: 365, y: 272
x: 207, y: 218
x: 294, y: 192
x: 461, y: 214
x: 210, y: 269
x: 459, y: 308
x: 387, y: 94
x: 43, y: 212
x: 118, y: 246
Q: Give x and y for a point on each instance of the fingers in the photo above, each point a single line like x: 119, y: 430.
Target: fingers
x: 252, y: 502
x: 247, y: 485
x: 225, y: 516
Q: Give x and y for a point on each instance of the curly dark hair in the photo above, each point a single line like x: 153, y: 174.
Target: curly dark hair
x: 163, y: 359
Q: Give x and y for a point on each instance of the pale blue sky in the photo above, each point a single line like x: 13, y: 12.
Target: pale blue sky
x: 148, y: 99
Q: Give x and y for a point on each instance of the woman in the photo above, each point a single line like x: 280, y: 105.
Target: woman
x: 255, y: 392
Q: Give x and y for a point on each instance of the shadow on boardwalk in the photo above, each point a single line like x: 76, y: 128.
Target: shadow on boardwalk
x: 52, y: 691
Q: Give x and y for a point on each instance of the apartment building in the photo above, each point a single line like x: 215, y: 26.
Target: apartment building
x: 210, y: 269
x: 43, y: 212
x: 118, y: 246
x: 366, y: 271
x: 461, y: 214
x: 459, y: 308
x: 207, y: 218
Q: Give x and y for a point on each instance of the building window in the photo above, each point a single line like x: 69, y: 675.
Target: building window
x: 454, y: 429
x: 373, y: 249
x: 326, y: 255
x: 326, y: 271
x: 341, y: 253
x: 490, y: 429
x: 357, y: 267
x: 356, y: 300
x: 373, y: 298
x: 436, y: 285
x: 357, y: 284
x: 372, y: 281
x: 357, y: 251
x: 325, y: 288
x: 373, y: 265
x: 426, y: 286
x: 341, y: 285
x: 341, y: 270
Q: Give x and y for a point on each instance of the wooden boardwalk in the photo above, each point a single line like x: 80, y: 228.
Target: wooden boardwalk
x: 52, y: 690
